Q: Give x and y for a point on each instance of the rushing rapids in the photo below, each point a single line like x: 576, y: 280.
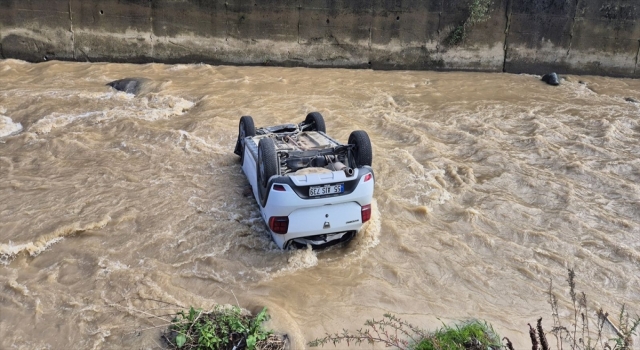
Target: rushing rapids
x: 114, y: 207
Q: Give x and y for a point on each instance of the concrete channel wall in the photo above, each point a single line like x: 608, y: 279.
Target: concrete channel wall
x: 521, y: 36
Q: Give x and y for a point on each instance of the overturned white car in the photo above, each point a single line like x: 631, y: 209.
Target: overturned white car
x: 310, y: 188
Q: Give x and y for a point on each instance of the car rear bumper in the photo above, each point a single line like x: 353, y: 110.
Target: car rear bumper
x: 324, y: 240
x: 327, y: 217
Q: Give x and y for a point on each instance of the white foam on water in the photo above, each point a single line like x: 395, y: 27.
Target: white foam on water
x: 7, y: 125
x: 11, y: 280
x: 149, y: 108
x: 157, y: 107
x: 179, y: 67
x: 21, y: 288
x: 427, y: 185
x: 109, y: 266
x: 370, y: 232
x: 299, y: 259
x: 367, y: 238
x: 369, y: 235
x: 197, y: 144
x: 302, y: 259
x: 8, y: 251
x: 58, y: 120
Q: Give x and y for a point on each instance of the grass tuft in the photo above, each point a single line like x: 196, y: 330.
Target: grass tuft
x: 221, y: 328
x: 392, y: 331
x: 472, y: 335
x: 395, y: 332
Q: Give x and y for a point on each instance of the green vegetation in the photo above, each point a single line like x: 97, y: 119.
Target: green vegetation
x: 473, y: 335
x: 228, y: 328
x: 578, y: 335
x: 395, y: 332
x: 221, y: 328
x: 391, y: 331
x: 478, y: 12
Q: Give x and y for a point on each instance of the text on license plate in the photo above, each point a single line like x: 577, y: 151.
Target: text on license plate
x: 328, y: 189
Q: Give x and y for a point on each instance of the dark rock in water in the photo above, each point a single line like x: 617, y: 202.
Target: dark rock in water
x: 631, y: 99
x: 551, y: 79
x: 128, y: 85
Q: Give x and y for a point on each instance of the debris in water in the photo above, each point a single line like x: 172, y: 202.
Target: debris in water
x: 551, y: 79
x: 128, y: 85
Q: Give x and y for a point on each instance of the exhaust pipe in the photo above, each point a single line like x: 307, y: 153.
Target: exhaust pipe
x: 337, y: 166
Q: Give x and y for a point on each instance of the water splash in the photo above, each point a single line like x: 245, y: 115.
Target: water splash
x: 7, y: 125
x: 10, y: 250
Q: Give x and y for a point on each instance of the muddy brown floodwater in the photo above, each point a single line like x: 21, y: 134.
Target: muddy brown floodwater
x: 488, y: 186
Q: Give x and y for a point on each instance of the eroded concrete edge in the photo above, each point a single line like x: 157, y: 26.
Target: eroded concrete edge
x: 635, y: 68
x: 308, y: 52
x: 438, y: 48
x: 508, y: 13
x: 573, y: 24
x: 73, y: 34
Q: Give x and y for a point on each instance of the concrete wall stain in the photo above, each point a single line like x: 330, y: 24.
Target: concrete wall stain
x: 520, y: 36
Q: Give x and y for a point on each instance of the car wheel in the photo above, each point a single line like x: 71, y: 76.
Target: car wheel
x: 362, y: 152
x: 267, y: 166
x: 246, y: 128
x: 317, y: 122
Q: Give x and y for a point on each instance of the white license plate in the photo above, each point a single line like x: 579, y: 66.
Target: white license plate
x: 328, y: 189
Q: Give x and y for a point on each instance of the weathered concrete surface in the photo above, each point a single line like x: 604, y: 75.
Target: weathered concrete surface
x: 606, y: 37
x: 533, y: 36
x: 577, y: 36
x: 35, y: 30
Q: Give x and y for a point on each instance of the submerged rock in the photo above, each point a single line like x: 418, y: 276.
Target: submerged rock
x: 551, y: 79
x: 631, y: 99
x: 128, y: 85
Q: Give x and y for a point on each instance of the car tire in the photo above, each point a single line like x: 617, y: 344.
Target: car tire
x: 362, y: 152
x: 245, y: 128
x: 317, y: 122
x: 267, y: 166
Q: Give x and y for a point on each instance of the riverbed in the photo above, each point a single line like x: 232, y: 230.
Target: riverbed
x: 115, y: 207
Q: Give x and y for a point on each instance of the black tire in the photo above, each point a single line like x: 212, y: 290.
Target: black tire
x: 267, y: 166
x: 362, y: 152
x: 245, y: 128
x: 317, y: 122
